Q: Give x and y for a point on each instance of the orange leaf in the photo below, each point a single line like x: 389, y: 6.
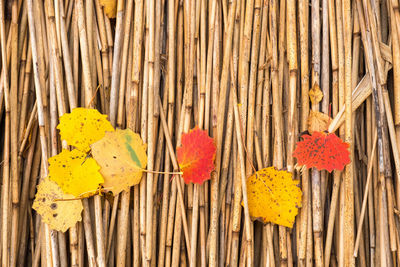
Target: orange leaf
x: 322, y: 151
x: 273, y: 196
x: 196, y: 156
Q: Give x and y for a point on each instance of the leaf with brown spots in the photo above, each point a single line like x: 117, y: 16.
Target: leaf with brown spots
x: 82, y: 127
x: 122, y: 158
x: 273, y: 196
x: 59, y: 215
x: 322, y: 151
x: 75, y: 173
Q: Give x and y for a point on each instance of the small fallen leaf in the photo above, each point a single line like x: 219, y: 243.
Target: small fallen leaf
x: 75, y: 173
x: 322, y: 151
x: 110, y: 7
x: 315, y: 94
x: 122, y: 158
x: 59, y: 215
x: 318, y: 121
x: 196, y: 156
x: 82, y: 127
x: 273, y: 196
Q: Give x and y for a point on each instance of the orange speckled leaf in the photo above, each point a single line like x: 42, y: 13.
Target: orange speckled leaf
x: 273, y: 196
x: 322, y: 151
x: 196, y: 156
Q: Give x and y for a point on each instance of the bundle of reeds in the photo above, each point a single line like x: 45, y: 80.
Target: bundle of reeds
x: 241, y: 70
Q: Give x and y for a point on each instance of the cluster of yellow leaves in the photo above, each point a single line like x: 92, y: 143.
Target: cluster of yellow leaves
x: 273, y: 196
x: 119, y: 158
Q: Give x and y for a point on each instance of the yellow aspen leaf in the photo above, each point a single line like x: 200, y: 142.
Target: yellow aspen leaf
x: 315, y: 94
x: 82, y: 127
x: 110, y: 7
x: 318, y: 121
x: 273, y: 196
x: 75, y: 173
x: 59, y: 215
x: 122, y: 158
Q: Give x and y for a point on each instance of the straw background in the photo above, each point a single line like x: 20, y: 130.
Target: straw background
x: 240, y: 69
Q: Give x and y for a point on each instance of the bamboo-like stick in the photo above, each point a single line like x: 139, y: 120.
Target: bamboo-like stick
x: 150, y: 132
x: 134, y: 94
x: 316, y: 175
x: 115, y: 78
x: 243, y: 179
x: 171, y: 82
x: 6, y: 152
x: 23, y: 222
x: 304, y: 77
x: 292, y: 58
x: 14, y: 111
x: 365, y: 197
x: 40, y: 107
x: 215, y: 176
x: 348, y: 174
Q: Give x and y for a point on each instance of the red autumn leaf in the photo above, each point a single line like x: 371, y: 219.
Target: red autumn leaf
x: 322, y: 151
x: 196, y: 156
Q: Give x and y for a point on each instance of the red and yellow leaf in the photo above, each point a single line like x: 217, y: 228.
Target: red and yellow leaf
x: 196, y: 156
x: 273, y: 196
x: 322, y: 151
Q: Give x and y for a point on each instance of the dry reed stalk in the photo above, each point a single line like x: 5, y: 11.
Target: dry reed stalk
x: 122, y: 234
x: 248, y: 241
x: 194, y: 13
x: 316, y: 175
x: 150, y: 126
x: 304, y: 77
x: 292, y: 119
x: 348, y: 174
x: 292, y: 58
x: 215, y: 177
x: 133, y: 97
x: 123, y: 215
x: 13, y: 95
x: 276, y: 76
x: 23, y: 223
x: 6, y: 152
x: 171, y: 83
